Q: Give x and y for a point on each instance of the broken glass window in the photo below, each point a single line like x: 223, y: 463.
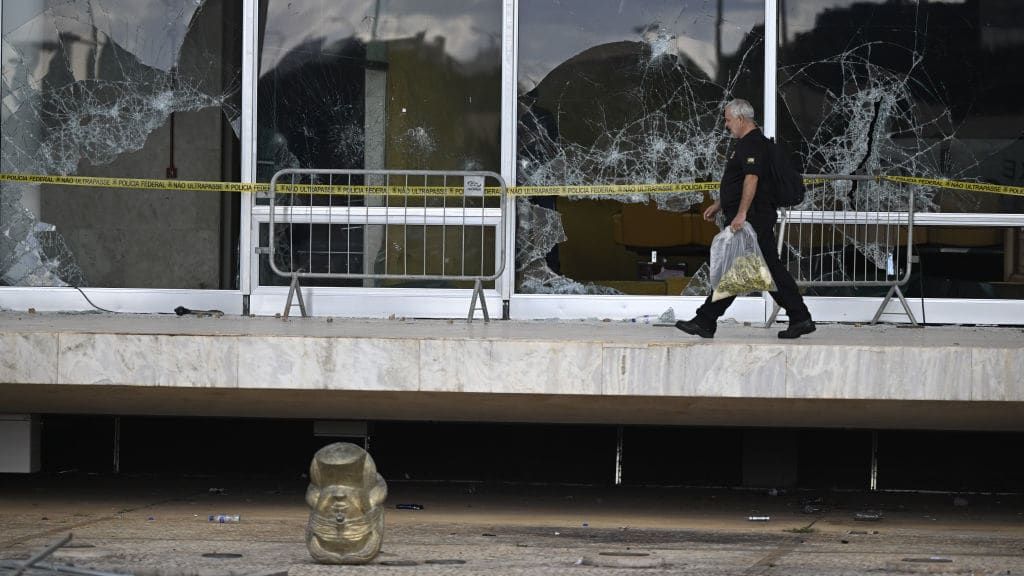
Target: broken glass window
x: 633, y: 95
x: 86, y: 86
x: 909, y: 88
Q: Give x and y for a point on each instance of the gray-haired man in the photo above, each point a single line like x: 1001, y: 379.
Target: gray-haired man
x: 741, y: 200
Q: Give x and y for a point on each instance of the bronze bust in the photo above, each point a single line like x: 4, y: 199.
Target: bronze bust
x: 345, y: 497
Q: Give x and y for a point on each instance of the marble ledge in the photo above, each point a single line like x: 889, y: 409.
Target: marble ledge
x: 685, y: 369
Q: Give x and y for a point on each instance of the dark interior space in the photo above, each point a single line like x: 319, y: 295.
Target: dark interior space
x: 834, y: 459
x: 950, y: 461
x: 542, y: 453
x: 825, y: 459
x: 215, y: 446
x: 682, y: 456
x: 77, y: 443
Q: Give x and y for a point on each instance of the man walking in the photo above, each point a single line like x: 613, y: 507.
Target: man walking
x: 742, y: 199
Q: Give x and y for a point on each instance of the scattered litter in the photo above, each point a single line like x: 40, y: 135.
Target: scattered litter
x: 150, y: 519
x: 759, y: 518
x: 218, y: 491
x: 399, y: 563
x: 586, y: 524
x: 623, y: 560
x: 445, y: 561
x: 578, y: 562
x: 182, y: 311
x: 409, y: 506
x: 845, y: 541
x: 959, y: 501
x: 929, y: 559
x: 810, y: 509
x: 225, y: 518
x: 862, y: 532
x: 868, y: 516
x: 489, y: 535
x: 222, y: 555
x: 557, y: 533
x: 773, y: 492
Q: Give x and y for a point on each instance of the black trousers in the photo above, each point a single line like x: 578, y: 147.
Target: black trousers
x: 787, y: 295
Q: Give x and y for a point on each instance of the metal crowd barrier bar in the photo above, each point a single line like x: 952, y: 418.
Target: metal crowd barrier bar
x: 383, y: 226
x: 851, y: 231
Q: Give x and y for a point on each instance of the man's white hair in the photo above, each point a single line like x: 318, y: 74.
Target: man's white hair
x: 740, y: 108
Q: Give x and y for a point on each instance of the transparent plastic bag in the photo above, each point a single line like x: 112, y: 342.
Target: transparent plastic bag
x: 737, y: 265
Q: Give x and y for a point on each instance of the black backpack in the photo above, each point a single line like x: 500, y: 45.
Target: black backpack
x: 786, y: 184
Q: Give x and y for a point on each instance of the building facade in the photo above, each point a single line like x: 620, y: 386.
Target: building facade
x: 545, y: 93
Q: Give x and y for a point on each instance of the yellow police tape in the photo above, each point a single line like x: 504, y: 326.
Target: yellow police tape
x: 959, y: 185
x: 402, y: 190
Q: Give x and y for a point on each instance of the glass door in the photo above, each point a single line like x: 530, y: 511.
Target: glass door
x: 375, y: 85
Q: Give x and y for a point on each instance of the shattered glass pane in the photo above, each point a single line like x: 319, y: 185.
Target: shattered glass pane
x: 538, y: 230
x: 633, y: 96
x: 700, y: 284
x: 917, y: 89
x: 89, y: 87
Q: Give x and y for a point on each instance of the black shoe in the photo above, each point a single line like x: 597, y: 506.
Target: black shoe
x: 798, y: 329
x: 693, y: 327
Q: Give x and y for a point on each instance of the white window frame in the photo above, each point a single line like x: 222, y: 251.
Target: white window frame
x: 826, y: 309
x: 443, y: 303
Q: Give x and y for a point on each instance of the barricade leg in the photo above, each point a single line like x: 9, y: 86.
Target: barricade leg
x: 906, y: 307
x: 297, y: 291
x: 478, y: 292
x: 775, y: 314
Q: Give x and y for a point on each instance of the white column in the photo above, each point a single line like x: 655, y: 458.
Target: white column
x: 509, y: 100
x: 247, y: 240
x: 771, y: 43
x: 20, y: 442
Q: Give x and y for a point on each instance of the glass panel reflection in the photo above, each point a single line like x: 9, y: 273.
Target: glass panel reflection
x: 625, y: 93
x: 114, y: 88
x: 366, y: 84
x: 918, y: 89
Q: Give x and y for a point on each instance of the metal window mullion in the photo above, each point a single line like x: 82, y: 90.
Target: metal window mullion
x: 247, y: 240
x: 771, y: 43
x: 444, y: 224
x: 387, y: 220
x: 423, y: 271
x: 330, y: 222
x: 462, y: 228
x: 509, y: 121
x: 348, y: 227
x: 405, y: 227
x: 483, y: 231
x: 835, y: 202
x: 309, y: 239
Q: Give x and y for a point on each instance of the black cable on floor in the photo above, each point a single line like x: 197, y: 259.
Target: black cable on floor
x: 93, y: 304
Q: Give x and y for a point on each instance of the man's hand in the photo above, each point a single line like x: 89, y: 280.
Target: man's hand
x: 711, y: 211
x: 737, y: 222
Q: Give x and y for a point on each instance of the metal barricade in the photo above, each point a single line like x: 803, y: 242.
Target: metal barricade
x: 387, y: 226
x: 851, y: 231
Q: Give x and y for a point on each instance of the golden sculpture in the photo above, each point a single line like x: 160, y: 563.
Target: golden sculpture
x: 345, y: 494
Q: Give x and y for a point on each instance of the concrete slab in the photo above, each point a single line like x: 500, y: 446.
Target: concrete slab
x: 581, y: 371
